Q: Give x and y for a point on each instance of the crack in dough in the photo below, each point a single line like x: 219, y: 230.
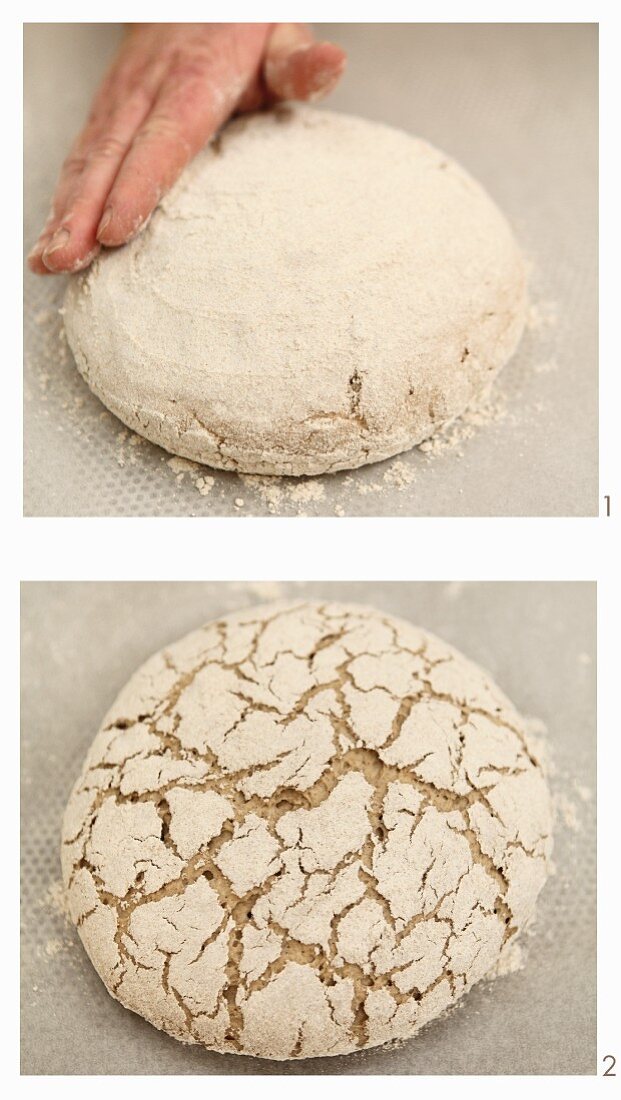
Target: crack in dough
x: 317, y: 292
x: 303, y: 830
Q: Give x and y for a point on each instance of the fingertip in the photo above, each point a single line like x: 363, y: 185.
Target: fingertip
x: 55, y: 264
x: 35, y: 263
x: 307, y: 73
x: 329, y: 56
x: 68, y: 258
x: 324, y: 66
x: 53, y: 254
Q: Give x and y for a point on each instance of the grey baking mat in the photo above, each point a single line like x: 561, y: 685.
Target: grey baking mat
x: 80, y: 644
x: 517, y: 105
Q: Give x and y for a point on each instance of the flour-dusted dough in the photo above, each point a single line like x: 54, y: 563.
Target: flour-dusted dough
x: 317, y: 292
x: 303, y: 830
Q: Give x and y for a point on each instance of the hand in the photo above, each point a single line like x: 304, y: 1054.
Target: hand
x: 170, y: 88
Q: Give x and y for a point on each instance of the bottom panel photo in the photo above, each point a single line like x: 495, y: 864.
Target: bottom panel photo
x: 308, y: 828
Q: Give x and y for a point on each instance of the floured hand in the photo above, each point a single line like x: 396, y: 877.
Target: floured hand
x: 170, y: 88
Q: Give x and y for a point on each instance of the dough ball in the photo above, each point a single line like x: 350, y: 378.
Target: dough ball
x: 304, y: 830
x: 317, y: 292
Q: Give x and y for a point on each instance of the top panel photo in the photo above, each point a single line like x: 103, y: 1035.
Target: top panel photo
x: 331, y: 270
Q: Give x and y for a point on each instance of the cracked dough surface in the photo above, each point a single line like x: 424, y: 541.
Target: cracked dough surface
x: 316, y: 293
x: 303, y: 830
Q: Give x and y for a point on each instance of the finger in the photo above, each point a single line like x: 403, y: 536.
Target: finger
x: 72, y: 167
x: 182, y: 120
x: 297, y: 67
x: 70, y: 171
x: 74, y: 241
x: 127, y: 90
x: 35, y: 263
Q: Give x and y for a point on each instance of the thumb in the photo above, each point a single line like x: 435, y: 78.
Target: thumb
x: 298, y: 67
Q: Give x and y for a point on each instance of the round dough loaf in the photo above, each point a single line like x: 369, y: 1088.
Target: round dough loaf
x: 316, y: 293
x: 303, y: 830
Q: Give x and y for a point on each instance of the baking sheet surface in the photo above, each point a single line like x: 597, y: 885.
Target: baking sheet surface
x: 516, y: 104
x: 81, y: 642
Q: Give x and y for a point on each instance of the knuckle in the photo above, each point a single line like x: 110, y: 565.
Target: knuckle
x: 106, y: 147
x: 186, y: 69
x: 161, y: 127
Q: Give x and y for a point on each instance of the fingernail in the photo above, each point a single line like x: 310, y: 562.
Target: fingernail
x: 59, y: 240
x: 105, y: 221
x: 34, y: 251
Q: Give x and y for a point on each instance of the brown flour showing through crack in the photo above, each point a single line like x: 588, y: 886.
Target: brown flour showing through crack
x: 304, y: 830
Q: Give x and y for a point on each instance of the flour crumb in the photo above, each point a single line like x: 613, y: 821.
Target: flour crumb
x: 268, y: 489
x: 541, y: 314
x: 201, y: 481
x: 547, y: 367
x: 181, y: 465
x: 399, y: 475
x: 54, y: 901
x: 127, y: 438
x: 307, y: 491
x: 204, y: 485
x: 490, y: 409
x: 366, y: 487
x: 274, y: 491
x: 52, y: 948
x: 567, y: 811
